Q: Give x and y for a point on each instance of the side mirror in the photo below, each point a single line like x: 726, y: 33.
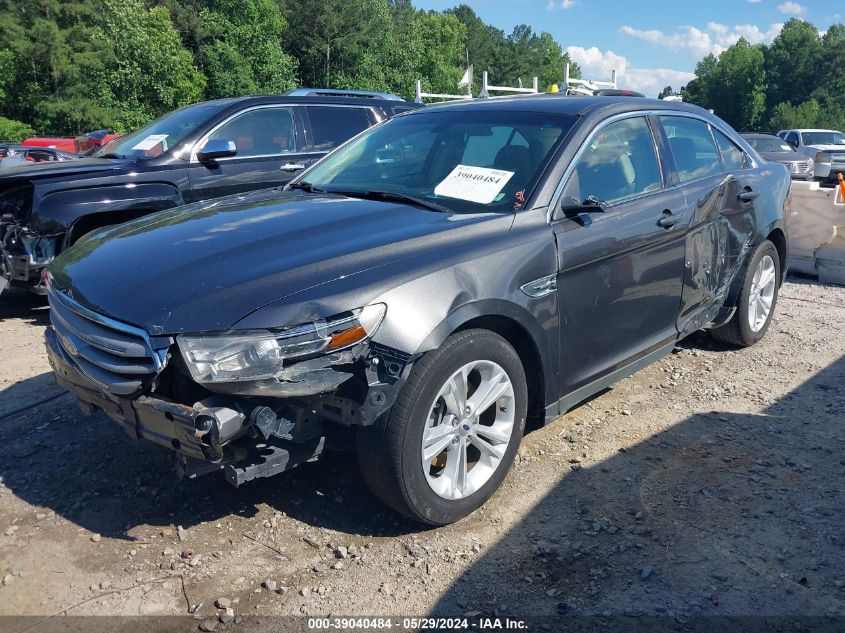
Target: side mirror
x: 216, y: 148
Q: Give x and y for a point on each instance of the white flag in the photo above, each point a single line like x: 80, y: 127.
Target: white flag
x: 466, y: 80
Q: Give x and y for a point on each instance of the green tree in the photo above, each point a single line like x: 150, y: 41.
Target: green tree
x: 327, y: 36
x: 524, y: 55
x: 242, y: 48
x: 786, y: 116
x: 741, y: 80
x: 51, y: 74
x: 147, y: 72
x: 668, y: 91
x: 14, y: 130
x: 700, y: 89
x: 792, y: 63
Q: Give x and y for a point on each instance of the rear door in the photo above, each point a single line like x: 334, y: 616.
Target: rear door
x: 270, y: 142
x: 620, y: 270
x: 720, y: 186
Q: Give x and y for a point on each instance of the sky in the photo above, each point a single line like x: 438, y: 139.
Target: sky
x: 651, y: 44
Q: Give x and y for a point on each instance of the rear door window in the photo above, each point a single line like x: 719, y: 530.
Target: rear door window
x: 332, y: 126
x: 693, y: 148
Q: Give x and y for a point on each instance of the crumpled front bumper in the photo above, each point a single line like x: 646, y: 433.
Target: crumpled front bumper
x: 193, y: 432
x: 165, y: 423
x: 247, y: 438
x: 24, y: 257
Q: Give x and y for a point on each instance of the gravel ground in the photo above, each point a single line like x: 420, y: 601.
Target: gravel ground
x: 707, y: 484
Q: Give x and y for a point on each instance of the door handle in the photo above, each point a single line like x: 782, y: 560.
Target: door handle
x: 747, y: 195
x: 292, y: 166
x: 669, y: 219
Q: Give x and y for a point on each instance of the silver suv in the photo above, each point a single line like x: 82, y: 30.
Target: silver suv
x: 825, y: 147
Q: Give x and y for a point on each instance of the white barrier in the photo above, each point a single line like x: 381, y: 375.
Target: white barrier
x: 816, y: 228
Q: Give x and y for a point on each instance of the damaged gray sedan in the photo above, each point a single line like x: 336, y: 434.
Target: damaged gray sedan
x: 423, y: 291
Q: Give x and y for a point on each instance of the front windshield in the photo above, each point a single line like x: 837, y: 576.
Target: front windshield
x: 474, y: 159
x: 157, y: 137
x: 771, y: 145
x: 823, y: 138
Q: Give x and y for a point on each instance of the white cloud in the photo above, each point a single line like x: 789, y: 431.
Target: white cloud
x: 714, y: 38
x: 792, y: 8
x: 596, y: 64
x: 754, y: 1
x: 563, y: 4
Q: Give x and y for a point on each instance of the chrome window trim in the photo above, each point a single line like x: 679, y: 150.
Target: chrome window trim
x: 374, y: 111
x: 627, y: 115
x: 198, y: 145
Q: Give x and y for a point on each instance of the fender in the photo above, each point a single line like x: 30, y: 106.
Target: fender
x: 545, y: 346
x: 58, y: 209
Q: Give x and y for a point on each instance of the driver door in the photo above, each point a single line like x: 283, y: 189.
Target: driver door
x: 621, y: 269
x: 270, y: 152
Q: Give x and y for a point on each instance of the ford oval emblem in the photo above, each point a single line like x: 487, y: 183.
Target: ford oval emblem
x: 70, y: 348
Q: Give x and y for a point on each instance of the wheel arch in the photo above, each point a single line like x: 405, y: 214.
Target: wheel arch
x: 92, y: 221
x: 519, y: 328
x: 777, y: 237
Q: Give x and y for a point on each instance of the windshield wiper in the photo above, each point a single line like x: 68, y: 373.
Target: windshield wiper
x: 111, y: 155
x: 392, y: 196
x: 305, y: 186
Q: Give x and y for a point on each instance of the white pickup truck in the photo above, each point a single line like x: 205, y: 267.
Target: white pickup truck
x: 825, y: 147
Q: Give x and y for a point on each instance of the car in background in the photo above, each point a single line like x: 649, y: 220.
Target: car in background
x: 424, y: 290
x: 83, y: 144
x: 21, y: 155
x: 201, y: 151
x: 825, y: 147
x: 774, y: 148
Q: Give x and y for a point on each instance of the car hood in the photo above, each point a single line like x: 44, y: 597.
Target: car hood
x: 828, y: 148
x: 784, y: 157
x: 63, y: 169
x: 204, y: 267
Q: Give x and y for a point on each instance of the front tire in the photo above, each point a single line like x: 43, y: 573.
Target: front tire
x: 451, y: 437
x: 757, y: 299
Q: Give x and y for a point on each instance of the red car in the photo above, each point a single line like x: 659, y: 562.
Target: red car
x: 84, y: 144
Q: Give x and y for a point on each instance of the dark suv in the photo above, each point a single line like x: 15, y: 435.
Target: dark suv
x: 424, y: 290
x: 201, y: 151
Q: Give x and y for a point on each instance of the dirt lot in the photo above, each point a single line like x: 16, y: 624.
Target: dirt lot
x: 708, y: 484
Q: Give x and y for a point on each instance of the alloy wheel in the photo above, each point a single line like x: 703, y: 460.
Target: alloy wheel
x: 762, y: 294
x: 468, y: 429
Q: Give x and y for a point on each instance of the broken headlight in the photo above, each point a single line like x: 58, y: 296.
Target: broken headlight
x: 260, y: 354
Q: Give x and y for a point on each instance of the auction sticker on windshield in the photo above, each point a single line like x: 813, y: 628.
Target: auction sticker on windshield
x: 150, y: 142
x: 475, y: 184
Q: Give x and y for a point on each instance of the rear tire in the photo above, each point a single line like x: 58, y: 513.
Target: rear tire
x: 436, y: 467
x: 757, y: 299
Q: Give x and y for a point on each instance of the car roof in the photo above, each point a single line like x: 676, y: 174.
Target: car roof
x: 334, y: 92
x: 557, y: 103
x: 810, y: 129
x: 316, y: 100
x: 753, y: 135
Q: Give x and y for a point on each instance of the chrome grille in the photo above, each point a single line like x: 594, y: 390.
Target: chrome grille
x: 800, y: 168
x: 117, y: 357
